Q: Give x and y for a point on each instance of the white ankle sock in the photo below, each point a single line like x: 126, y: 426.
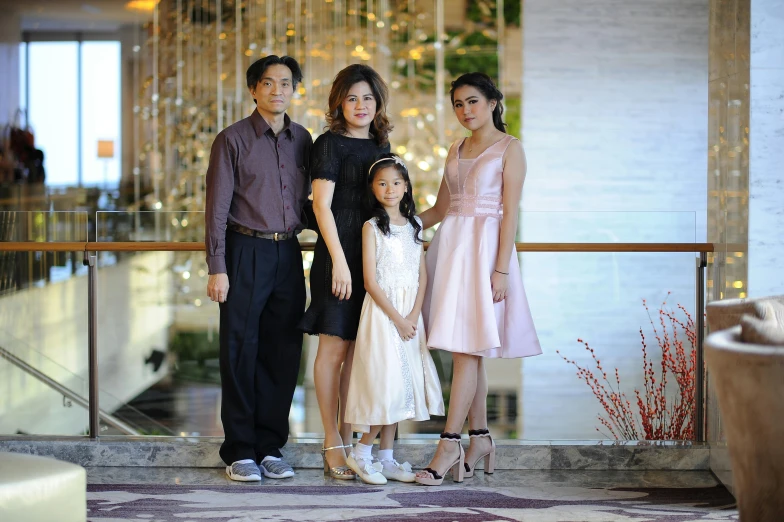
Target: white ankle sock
x: 363, y: 452
x: 385, y: 454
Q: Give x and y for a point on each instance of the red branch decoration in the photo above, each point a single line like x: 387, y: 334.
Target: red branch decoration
x: 657, y: 417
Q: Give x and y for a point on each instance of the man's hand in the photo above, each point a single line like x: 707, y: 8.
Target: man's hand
x: 218, y: 287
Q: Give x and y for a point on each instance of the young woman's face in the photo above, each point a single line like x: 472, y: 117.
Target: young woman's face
x: 359, y: 107
x: 389, y: 187
x: 471, y: 107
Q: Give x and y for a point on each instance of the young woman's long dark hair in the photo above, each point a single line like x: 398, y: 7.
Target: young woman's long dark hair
x: 407, y: 205
x: 486, y: 86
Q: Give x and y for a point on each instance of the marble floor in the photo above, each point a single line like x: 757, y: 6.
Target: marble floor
x: 119, y: 494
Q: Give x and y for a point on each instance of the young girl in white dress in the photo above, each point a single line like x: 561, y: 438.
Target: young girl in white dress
x: 393, y: 377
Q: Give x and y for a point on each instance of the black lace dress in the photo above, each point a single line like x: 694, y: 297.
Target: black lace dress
x: 345, y: 161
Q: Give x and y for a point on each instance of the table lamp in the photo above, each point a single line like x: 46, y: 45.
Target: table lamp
x: 106, y: 152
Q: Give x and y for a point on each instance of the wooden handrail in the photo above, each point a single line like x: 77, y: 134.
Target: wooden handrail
x: 169, y: 246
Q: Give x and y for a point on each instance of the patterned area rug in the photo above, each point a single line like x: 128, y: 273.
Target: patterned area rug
x: 244, y: 503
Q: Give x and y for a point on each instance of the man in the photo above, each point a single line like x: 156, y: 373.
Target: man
x: 257, y: 186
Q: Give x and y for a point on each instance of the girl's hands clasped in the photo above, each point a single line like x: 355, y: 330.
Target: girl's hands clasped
x: 500, y: 284
x: 406, y: 328
x: 341, y: 280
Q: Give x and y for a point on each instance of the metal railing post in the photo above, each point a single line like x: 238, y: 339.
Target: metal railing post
x: 699, y: 385
x: 92, y: 345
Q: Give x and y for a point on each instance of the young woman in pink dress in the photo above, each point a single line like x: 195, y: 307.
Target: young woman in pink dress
x: 475, y: 306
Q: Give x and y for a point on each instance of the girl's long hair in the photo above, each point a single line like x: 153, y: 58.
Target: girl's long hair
x: 343, y: 82
x: 486, y: 86
x: 407, y: 205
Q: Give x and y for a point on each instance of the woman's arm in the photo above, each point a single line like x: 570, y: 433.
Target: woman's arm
x: 436, y: 213
x: 514, y: 176
x: 323, y: 190
x: 420, y: 298
x: 405, y: 327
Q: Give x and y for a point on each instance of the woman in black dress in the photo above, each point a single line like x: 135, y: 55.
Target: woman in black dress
x: 340, y: 160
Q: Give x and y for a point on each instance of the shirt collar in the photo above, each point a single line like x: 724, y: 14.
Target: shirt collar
x: 261, y: 126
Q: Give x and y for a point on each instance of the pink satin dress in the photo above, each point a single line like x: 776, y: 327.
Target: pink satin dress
x: 459, y: 312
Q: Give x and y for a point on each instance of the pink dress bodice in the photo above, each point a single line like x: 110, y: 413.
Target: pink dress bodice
x: 476, y: 185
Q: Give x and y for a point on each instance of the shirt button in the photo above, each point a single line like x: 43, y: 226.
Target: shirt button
x: 288, y: 207
x: 288, y: 229
x: 284, y: 186
x: 283, y: 166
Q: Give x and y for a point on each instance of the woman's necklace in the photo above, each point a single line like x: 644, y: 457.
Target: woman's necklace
x: 471, y: 144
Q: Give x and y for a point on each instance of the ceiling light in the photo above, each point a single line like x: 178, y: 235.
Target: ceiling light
x: 141, y: 5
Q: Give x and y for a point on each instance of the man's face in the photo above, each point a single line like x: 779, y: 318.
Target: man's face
x: 274, y: 90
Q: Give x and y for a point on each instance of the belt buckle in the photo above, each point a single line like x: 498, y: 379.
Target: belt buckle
x: 275, y: 236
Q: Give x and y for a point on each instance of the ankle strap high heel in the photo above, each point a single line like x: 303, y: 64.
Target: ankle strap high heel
x: 434, y: 478
x: 489, y: 456
x: 338, y: 472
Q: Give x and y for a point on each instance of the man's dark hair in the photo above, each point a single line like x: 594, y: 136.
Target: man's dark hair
x: 258, y: 68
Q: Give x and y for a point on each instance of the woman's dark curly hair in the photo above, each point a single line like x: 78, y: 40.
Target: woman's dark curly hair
x: 486, y: 86
x: 347, y: 78
x: 407, y: 205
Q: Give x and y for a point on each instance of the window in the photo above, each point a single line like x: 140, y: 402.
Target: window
x: 23, y: 78
x: 74, y: 101
x: 53, y: 104
x: 100, y: 111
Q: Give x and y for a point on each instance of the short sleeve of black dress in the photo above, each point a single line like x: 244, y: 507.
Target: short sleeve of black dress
x: 344, y: 161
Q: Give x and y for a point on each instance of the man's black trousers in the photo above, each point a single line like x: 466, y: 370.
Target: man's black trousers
x: 260, y: 345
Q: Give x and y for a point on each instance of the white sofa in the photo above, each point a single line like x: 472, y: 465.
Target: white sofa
x: 41, y: 489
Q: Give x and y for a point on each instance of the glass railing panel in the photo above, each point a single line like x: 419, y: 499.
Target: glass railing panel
x: 158, y: 337
x: 39, y: 197
x: 50, y: 399
x: 43, y: 325
x: 150, y: 340
x: 41, y: 396
x: 608, y: 227
x: 168, y: 225
x: 599, y: 299
x: 20, y: 270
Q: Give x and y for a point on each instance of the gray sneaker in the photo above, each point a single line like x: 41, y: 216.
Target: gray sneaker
x: 276, y: 468
x: 244, y: 471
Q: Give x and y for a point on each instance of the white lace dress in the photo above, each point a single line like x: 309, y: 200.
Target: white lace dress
x: 392, y: 380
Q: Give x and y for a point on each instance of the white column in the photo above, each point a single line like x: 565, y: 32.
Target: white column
x: 766, y: 152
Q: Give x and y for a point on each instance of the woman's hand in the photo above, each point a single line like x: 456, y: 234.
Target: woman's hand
x: 341, y: 280
x: 406, y: 328
x: 499, y: 283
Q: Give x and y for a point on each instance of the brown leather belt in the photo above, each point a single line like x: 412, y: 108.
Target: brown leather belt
x: 275, y: 236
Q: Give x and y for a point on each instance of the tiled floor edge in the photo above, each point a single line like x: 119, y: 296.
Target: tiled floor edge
x: 520, y: 455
